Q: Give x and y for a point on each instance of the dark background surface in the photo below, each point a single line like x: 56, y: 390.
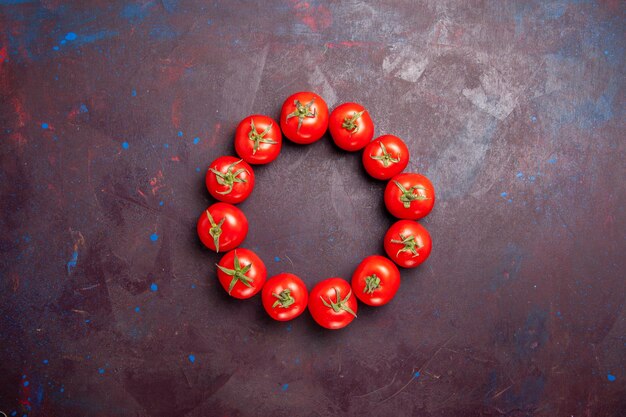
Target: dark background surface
x: 110, y: 305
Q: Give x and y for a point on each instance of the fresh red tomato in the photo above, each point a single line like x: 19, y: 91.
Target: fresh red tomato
x: 407, y: 243
x: 258, y: 139
x: 284, y: 297
x: 385, y: 157
x: 229, y: 179
x: 351, y: 126
x: 304, y: 117
x: 331, y: 303
x: 376, y: 280
x: 222, y: 227
x: 242, y: 273
x: 409, y: 196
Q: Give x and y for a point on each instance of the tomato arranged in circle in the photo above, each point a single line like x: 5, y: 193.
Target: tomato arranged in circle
x: 332, y: 304
x: 304, y: 117
x: 376, y: 280
x: 351, y: 126
x: 222, y: 227
x: 258, y: 139
x: 242, y: 273
x: 385, y: 157
x: 409, y: 196
x: 229, y: 179
x: 407, y: 243
x: 284, y: 297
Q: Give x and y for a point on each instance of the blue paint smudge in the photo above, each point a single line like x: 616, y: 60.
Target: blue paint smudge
x: 14, y: 413
x: 166, y: 145
x: 136, y: 13
x: 137, y: 309
x: 55, y: 48
x: 72, y: 262
x: 83, y: 108
x: 197, y: 169
x: 154, y: 237
x: 552, y: 160
x: 297, y: 361
x: 531, y: 178
x: 289, y: 327
x: 416, y: 374
x: 276, y: 259
x: 71, y: 36
x: 26, y: 383
x: 196, y: 140
x: 180, y: 133
x: 606, y: 52
x: 154, y: 287
x: 284, y: 387
x: 44, y: 125
x: 510, y: 200
x: 62, y: 389
x: 170, y: 5
x: 503, y: 194
x: 611, y: 377
x: 161, y: 203
x: 520, y: 175
x: 87, y: 321
x: 103, y: 34
x: 209, y: 22
x: 45, y: 361
x: 101, y: 371
x: 192, y: 358
x: 193, y: 285
x: 39, y: 394
x: 133, y: 93
x: 63, y: 42
x: 163, y: 32
x: 533, y: 118
x: 125, y: 145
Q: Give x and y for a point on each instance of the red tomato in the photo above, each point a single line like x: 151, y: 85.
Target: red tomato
x: 222, y: 227
x: 409, y: 196
x: 242, y: 273
x: 331, y: 303
x: 304, y: 118
x: 284, y: 297
x: 376, y: 280
x: 229, y: 179
x: 385, y: 157
x: 258, y: 139
x: 351, y: 126
x: 407, y: 243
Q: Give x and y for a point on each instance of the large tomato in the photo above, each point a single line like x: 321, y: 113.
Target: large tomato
x: 407, y: 243
x: 258, y: 139
x: 351, y: 126
x: 229, y: 179
x: 222, y: 227
x: 385, y: 157
x: 242, y: 273
x: 332, y: 304
x: 284, y: 297
x: 376, y: 280
x: 409, y: 196
x: 304, y: 117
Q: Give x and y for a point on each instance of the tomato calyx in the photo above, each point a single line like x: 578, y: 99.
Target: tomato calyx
x: 386, y: 157
x: 410, y: 245
x: 229, y: 178
x: 301, y: 111
x: 409, y: 196
x: 339, y: 304
x: 215, y: 231
x: 372, y: 283
x: 238, y: 274
x: 284, y: 299
x: 349, y: 123
x: 259, y: 138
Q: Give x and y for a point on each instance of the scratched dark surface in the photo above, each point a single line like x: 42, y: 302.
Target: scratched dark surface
x: 110, y: 112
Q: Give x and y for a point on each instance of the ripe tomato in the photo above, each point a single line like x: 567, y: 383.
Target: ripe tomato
x: 351, y: 126
x: 284, y: 297
x: 407, y: 243
x: 385, y: 157
x: 409, y: 196
x: 304, y: 117
x: 331, y: 303
x: 242, y: 273
x: 229, y: 179
x: 376, y: 280
x: 222, y: 227
x: 258, y: 139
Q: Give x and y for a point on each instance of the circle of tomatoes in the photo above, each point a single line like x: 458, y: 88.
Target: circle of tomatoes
x: 242, y: 273
x: 376, y: 280
x: 304, y: 117
x: 351, y: 126
x: 229, y: 179
x: 385, y: 157
x: 284, y: 297
x: 407, y: 243
x: 332, y: 304
x: 409, y: 196
x: 222, y: 227
x: 258, y: 139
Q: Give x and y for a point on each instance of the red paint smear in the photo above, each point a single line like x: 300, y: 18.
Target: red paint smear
x: 176, y: 112
x: 175, y: 158
x: 156, y: 181
x: 22, y: 116
x: 3, y: 54
x: 315, y: 17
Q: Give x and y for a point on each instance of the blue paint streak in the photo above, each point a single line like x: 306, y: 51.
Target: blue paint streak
x: 284, y: 387
x: 133, y: 93
x: 161, y: 203
x: 192, y: 358
x: 45, y: 361
x: 611, y: 377
x: 137, y: 309
x: 180, y: 133
x: 125, y: 145
x: 71, y: 36
x: 154, y: 287
x: 170, y: 5
x: 44, y: 125
x: 154, y: 237
x: 276, y: 259
x: 196, y: 140
x: 72, y: 262
x: 14, y: 2
x: 416, y: 374
x: 503, y: 194
x: 83, y: 108
x: 94, y: 37
x: 26, y: 383
x: 56, y: 48
x: 101, y: 371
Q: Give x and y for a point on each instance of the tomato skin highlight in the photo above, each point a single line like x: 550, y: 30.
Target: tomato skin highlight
x: 255, y: 276
x: 351, y: 126
x: 416, y: 239
x: 412, y: 190
x: 237, y: 187
x: 297, y: 295
x: 376, y: 280
x: 311, y: 114
x: 335, y: 291
x: 268, y: 139
x: 230, y: 233
x: 392, y: 152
